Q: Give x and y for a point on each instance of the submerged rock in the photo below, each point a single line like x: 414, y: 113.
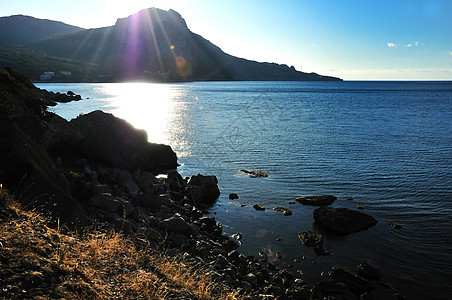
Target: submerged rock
x: 258, y: 207
x: 316, y: 200
x: 311, y: 239
x: 343, y: 220
x: 393, y: 225
x: 285, y: 211
x: 254, y: 173
x: 368, y: 271
x: 233, y: 196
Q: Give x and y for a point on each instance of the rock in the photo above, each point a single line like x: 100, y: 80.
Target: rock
x: 254, y: 173
x: 176, y: 224
x: 26, y: 166
x: 251, y: 278
x: 316, y: 200
x: 382, y: 292
x: 180, y: 240
x: 175, y: 182
x: 152, y: 201
x: 311, y: 239
x: 60, y: 136
x: 105, y: 201
x: 285, y: 211
x: 258, y: 207
x: 233, y: 196
x: 361, y: 205
x: 343, y: 220
x: 121, y: 144
x: 321, y: 252
x: 393, y: 225
x: 203, y: 189
x: 145, y: 180
x: 368, y: 271
x: 356, y: 284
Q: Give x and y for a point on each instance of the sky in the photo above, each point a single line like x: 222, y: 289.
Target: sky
x: 353, y: 40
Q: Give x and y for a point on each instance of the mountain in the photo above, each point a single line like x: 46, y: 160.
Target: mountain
x: 18, y: 30
x: 157, y: 45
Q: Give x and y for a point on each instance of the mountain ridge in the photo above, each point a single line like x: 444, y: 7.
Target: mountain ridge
x: 157, y: 45
x: 21, y: 29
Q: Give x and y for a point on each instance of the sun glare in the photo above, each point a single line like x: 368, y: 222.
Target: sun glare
x: 147, y: 106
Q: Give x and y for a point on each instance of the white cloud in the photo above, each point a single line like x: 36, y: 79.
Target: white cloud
x: 415, y: 44
x: 450, y: 52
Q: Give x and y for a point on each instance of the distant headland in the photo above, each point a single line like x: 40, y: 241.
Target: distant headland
x: 152, y: 45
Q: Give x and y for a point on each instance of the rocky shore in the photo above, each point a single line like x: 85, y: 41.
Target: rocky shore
x: 97, y: 171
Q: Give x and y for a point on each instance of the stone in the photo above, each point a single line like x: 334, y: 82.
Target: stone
x: 259, y: 207
x: 368, y: 271
x: 356, y: 284
x: 285, y: 211
x: 145, y: 180
x: 105, y: 201
x: 393, y: 225
x: 204, y: 189
x: 176, y: 224
x: 180, y: 240
x: 311, y: 239
x: 316, y: 200
x: 319, y: 251
x: 175, y: 182
x: 254, y: 173
x: 251, y: 278
x: 233, y: 196
x: 361, y: 205
x: 152, y: 201
x: 343, y: 220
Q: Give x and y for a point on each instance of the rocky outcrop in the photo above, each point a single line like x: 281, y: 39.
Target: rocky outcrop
x: 343, y: 220
x: 316, y: 200
x: 25, y: 165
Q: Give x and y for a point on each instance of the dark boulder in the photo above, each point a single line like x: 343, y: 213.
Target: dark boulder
x: 316, y: 200
x: 116, y: 142
x: 343, y: 220
x: 203, y: 189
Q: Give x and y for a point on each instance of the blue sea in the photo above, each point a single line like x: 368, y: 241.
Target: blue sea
x: 385, y: 144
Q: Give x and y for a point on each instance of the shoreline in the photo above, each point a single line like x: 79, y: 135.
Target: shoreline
x: 113, y: 184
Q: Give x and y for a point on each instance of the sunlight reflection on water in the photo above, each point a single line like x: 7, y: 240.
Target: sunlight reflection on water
x: 156, y: 108
x: 146, y: 106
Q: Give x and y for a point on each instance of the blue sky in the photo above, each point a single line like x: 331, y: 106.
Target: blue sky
x: 363, y: 40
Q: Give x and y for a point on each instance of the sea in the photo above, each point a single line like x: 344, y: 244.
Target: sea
x: 387, y: 145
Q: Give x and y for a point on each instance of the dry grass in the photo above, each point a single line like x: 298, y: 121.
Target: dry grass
x: 37, y: 261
